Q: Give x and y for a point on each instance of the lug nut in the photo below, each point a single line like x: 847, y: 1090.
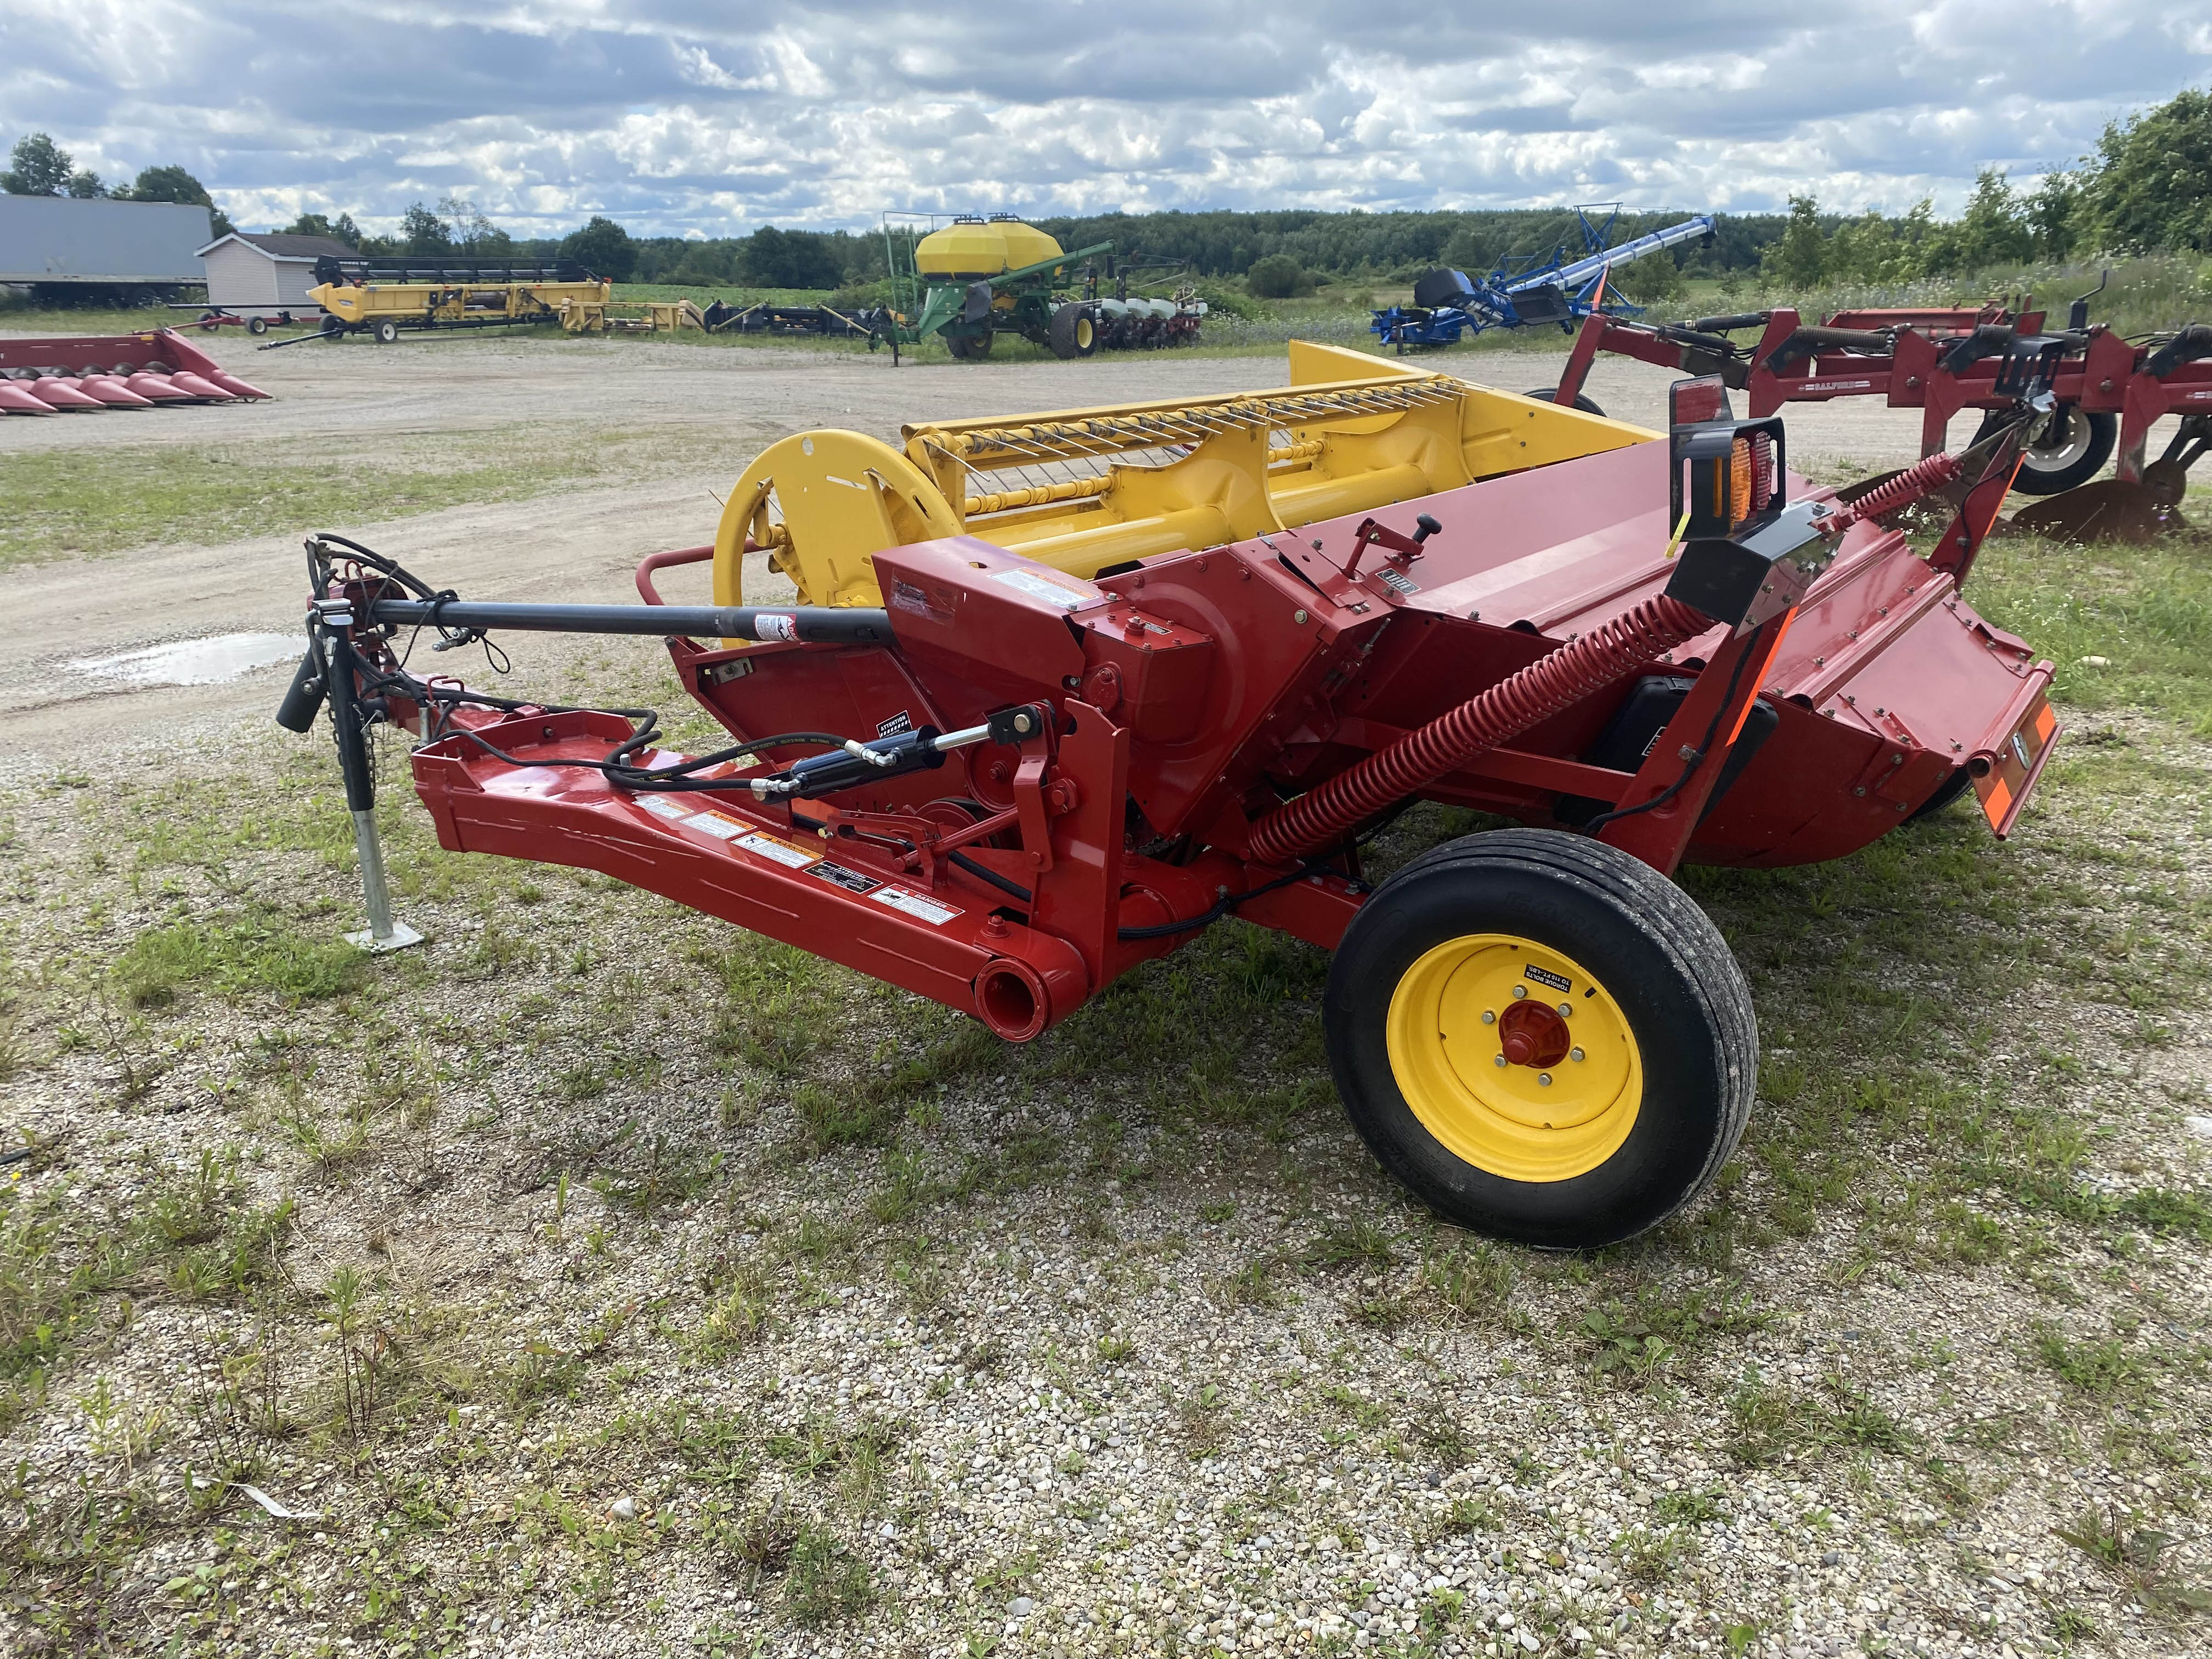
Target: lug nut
x: 1566, y: 1011
x: 1520, y: 990
x: 1545, y: 1078
x: 1574, y: 1054
x: 1497, y: 1060
x: 1490, y: 1017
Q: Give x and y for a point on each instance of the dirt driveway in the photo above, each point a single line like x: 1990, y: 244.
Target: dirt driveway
x: 576, y: 542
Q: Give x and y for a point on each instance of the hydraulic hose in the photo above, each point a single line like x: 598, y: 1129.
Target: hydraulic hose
x: 1322, y: 816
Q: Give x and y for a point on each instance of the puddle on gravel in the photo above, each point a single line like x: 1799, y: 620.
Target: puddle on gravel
x: 194, y: 662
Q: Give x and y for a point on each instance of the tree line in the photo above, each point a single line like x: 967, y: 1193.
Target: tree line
x: 39, y: 167
x: 2148, y: 187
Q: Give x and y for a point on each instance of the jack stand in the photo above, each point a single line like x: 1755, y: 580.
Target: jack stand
x: 382, y: 933
x: 332, y: 622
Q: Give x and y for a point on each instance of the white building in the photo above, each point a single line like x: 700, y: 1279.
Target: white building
x: 272, y: 272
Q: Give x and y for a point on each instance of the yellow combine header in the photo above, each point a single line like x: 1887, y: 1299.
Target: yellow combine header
x: 380, y: 297
x: 1088, y: 490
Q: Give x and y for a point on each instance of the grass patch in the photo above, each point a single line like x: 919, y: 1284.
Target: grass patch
x: 104, y: 501
x: 2147, y: 611
x: 1770, y: 1424
x: 238, y: 958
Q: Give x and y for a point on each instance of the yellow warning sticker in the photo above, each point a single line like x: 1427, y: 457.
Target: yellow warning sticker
x: 782, y: 851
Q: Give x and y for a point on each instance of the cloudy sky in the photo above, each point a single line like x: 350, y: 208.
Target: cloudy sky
x: 683, y: 118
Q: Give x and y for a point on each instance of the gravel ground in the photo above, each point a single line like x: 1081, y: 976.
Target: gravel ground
x: 596, y: 1280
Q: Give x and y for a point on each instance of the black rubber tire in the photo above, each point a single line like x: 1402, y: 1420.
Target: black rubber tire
x: 329, y: 325
x: 1658, y: 954
x: 1072, y: 331
x: 2104, y: 432
x: 385, y: 332
x: 1583, y: 401
x: 257, y: 324
x: 1945, y: 792
x: 970, y: 347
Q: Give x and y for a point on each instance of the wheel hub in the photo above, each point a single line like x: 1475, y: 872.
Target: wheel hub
x: 1492, y: 1066
x: 1531, y: 1034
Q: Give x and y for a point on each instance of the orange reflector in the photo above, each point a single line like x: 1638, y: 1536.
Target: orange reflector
x: 1739, y: 485
x: 1996, y: 803
x: 2045, y: 724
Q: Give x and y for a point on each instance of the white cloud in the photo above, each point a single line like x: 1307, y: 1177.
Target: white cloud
x: 680, y: 117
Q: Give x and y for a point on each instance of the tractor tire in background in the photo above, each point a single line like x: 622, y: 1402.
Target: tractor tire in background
x: 1459, y: 1070
x: 1583, y: 401
x: 329, y: 325
x: 1073, y: 330
x: 385, y: 332
x: 970, y: 347
x: 2066, y: 450
x: 257, y: 324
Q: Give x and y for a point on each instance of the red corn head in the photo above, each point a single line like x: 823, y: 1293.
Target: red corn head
x: 58, y: 393
x: 157, y: 388
x: 106, y: 389
x: 200, y: 387
x: 236, y: 387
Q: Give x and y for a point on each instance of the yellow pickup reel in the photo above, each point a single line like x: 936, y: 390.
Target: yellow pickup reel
x: 1088, y: 490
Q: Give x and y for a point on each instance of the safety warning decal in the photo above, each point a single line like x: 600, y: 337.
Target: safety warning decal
x: 782, y: 851
x: 1545, y: 976
x: 918, y: 905
x: 661, y: 807
x: 838, y: 876
x: 720, y: 825
x: 1052, y: 590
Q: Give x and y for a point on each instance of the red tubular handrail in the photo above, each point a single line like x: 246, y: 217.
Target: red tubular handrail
x: 651, y: 594
x: 1577, y: 669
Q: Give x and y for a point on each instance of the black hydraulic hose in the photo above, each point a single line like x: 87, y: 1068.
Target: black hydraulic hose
x: 1159, y: 930
x: 815, y: 624
x: 1734, y: 320
x: 980, y: 874
x: 1227, y: 905
x: 2187, y: 346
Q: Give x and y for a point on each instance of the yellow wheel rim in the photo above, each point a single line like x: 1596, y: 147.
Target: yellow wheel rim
x: 1542, y: 1119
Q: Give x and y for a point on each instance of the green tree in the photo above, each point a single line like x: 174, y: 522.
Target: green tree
x: 422, y: 231
x: 471, y: 232
x: 341, y: 229
x: 1992, y: 231
x: 602, y: 247
x: 2053, y: 216
x: 173, y: 184
x: 1800, y: 258
x: 790, y: 258
x: 1649, y: 280
x: 2151, y: 182
x: 1278, y: 277
x: 38, y: 167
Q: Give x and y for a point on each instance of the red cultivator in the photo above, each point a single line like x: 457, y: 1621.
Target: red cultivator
x: 1009, y: 785
x: 2103, y: 392
x: 120, y: 371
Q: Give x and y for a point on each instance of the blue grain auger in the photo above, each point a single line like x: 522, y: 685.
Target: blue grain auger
x: 1522, y: 292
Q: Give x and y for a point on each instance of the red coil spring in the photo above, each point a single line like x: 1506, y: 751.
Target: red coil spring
x: 1909, y: 485
x: 1322, y: 816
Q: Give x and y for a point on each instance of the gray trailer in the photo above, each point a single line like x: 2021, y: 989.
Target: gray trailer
x: 57, y: 239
